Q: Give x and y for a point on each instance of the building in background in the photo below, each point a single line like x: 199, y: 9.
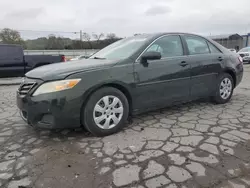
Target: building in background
x: 233, y: 41
x: 246, y: 40
x: 229, y: 40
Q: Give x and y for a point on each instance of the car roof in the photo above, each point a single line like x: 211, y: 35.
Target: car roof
x: 169, y: 33
x: 159, y: 34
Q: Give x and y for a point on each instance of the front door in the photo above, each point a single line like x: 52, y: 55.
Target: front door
x: 164, y: 81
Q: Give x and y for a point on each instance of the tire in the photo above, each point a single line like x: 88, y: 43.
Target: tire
x: 220, y: 97
x: 113, y: 113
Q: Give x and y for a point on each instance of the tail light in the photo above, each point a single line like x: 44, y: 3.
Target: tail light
x: 63, y: 58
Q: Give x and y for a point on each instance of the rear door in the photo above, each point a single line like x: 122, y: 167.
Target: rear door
x: 11, y: 61
x: 205, y: 61
x: 166, y: 80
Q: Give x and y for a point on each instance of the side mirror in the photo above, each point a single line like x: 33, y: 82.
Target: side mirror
x: 151, y: 55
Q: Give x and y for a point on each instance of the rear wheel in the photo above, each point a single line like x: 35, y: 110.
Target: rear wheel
x: 224, y: 90
x: 106, y: 111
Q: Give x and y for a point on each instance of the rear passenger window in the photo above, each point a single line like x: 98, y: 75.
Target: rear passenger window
x: 213, y: 49
x: 197, y: 45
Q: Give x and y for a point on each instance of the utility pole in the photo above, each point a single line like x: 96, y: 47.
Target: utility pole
x: 81, y: 38
x: 80, y: 35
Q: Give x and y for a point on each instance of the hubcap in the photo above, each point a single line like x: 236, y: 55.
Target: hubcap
x: 108, y: 112
x: 225, y: 88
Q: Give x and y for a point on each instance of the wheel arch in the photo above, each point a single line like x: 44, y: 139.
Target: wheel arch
x: 232, y: 73
x: 118, y: 85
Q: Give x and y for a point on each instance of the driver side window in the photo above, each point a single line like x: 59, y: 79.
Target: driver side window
x: 155, y: 48
x: 168, y: 46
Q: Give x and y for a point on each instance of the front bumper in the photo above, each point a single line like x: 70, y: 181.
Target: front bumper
x: 52, y: 110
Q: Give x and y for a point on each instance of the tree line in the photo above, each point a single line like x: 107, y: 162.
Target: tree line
x: 52, y: 42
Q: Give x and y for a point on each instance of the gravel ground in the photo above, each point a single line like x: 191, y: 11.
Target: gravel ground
x: 198, y: 144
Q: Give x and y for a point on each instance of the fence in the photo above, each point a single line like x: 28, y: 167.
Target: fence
x: 67, y: 53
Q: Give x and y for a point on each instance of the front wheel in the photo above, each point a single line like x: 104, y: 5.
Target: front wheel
x: 224, y: 90
x: 106, y: 111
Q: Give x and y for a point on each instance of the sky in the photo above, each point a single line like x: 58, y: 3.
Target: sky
x: 125, y: 17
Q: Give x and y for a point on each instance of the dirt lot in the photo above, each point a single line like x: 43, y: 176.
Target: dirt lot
x: 193, y: 145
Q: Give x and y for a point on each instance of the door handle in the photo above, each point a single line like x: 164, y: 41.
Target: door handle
x: 220, y: 58
x: 183, y: 63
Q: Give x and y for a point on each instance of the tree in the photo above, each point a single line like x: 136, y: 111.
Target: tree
x: 111, y: 37
x: 10, y: 36
x: 54, y: 42
x: 98, y: 37
x: 86, y: 37
x: 37, y: 44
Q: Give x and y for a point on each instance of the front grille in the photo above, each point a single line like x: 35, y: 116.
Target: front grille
x: 26, y: 87
x: 242, y: 55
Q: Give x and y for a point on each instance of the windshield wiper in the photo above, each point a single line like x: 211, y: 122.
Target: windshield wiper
x: 99, y: 58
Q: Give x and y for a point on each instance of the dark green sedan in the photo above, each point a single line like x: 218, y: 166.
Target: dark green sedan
x: 130, y: 76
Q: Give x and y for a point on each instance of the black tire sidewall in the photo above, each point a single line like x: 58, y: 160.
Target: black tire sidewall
x: 218, y: 98
x: 87, y: 115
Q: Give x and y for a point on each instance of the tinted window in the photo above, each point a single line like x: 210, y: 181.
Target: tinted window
x: 169, y: 46
x: 10, y: 52
x: 213, y: 49
x: 197, y: 45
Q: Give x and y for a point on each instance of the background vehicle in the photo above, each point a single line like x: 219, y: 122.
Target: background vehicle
x: 130, y: 76
x: 14, y: 63
x: 245, y: 54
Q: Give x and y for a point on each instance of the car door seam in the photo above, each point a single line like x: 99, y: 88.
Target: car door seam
x: 204, y: 75
x: 162, y: 81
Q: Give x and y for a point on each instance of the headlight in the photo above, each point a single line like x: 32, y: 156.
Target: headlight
x: 56, y: 86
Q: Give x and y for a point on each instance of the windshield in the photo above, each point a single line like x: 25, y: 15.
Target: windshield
x: 121, y: 49
x: 245, y: 50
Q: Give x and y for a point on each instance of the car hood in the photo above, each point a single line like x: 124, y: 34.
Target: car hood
x: 61, y: 70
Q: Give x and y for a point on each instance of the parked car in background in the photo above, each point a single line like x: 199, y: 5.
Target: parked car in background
x: 233, y: 50
x: 79, y: 57
x: 130, y: 76
x: 13, y: 62
x: 245, y: 54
